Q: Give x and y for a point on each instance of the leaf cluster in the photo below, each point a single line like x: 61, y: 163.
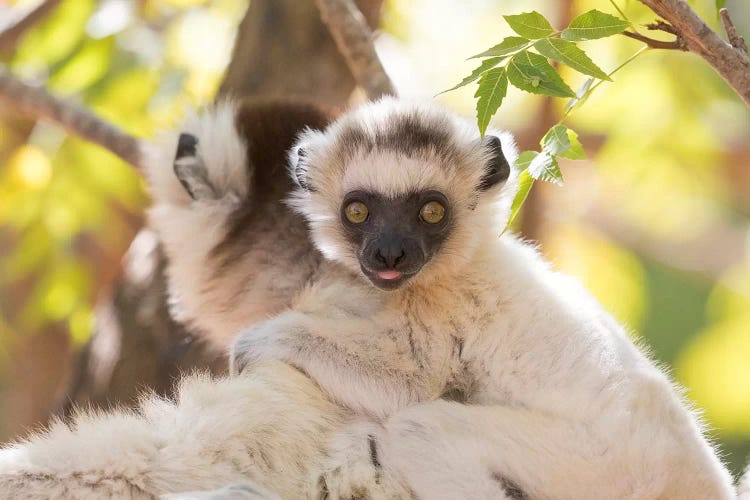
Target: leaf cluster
x: 523, y: 61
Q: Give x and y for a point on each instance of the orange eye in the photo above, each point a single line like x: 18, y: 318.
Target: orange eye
x: 356, y: 212
x: 432, y: 212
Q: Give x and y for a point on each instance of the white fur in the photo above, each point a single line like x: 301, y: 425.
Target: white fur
x: 270, y: 426
x: 743, y: 488
x: 221, y: 147
x: 565, y: 405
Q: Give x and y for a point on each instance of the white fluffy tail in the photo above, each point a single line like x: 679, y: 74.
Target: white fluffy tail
x: 269, y: 427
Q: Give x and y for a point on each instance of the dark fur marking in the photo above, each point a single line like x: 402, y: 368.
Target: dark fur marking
x: 497, y: 169
x: 454, y: 394
x: 462, y: 386
x: 323, y: 493
x: 373, y: 451
x: 270, y: 128
x: 511, y: 489
x: 412, y: 342
x: 459, y: 346
x: 409, y: 134
x: 186, y: 146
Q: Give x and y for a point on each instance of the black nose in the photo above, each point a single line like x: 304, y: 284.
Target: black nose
x: 390, y: 254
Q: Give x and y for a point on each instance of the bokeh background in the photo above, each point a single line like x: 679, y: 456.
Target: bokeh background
x: 656, y: 222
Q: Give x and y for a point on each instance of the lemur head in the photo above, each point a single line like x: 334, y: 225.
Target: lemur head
x: 401, y: 191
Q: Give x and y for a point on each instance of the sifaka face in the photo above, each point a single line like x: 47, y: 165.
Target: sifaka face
x: 393, y: 189
x: 395, y: 237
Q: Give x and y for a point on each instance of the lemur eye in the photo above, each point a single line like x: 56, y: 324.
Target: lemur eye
x: 356, y: 212
x: 432, y: 212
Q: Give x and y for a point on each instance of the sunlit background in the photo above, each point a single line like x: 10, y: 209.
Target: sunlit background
x: 656, y: 222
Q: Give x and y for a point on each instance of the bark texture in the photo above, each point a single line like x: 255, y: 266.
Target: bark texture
x: 354, y: 41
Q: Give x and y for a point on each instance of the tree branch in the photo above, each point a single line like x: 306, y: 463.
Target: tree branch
x: 730, y: 63
x: 38, y: 104
x: 677, y: 44
x: 10, y: 36
x: 354, y: 40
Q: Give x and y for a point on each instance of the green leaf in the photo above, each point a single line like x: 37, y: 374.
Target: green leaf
x: 581, y: 95
x: 532, y: 73
x: 525, y: 181
x: 492, y: 89
x: 531, y: 25
x: 563, y: 142
x: 486, y: 65
x: 576, y: 151
x: 720, y: 4
x: 555, y: 141
x: 592, y: 25
x: 524, y: 160
x: 544, y: 167
x: 509, y: 45
x: 567, y: 53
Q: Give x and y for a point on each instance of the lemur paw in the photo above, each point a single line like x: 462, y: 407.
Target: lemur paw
x: 190, y: 169
x: 263, y: 342
x: 354, y: 471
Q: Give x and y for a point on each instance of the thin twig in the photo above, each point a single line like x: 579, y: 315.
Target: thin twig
x: 591, y: 89
x: 660, y: 25
x: 353, y: 38
x: 619, y: 10
x: 677, y: 44
x: 734, y: 38
x: 10, y: 36
x: 38, y: 104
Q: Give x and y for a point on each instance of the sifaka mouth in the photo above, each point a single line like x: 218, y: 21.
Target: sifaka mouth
x: 388, y: 279
x: 390, y: 274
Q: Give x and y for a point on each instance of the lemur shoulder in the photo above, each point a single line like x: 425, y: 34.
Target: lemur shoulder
x: 392, y: 290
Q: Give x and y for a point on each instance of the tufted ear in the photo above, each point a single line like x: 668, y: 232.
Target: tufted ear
x: 497, y: 169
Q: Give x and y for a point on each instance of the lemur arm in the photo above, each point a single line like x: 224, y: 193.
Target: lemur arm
x: 447, y: 450
x: 356, y: 364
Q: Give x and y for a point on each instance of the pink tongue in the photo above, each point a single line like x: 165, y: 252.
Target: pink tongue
x: 391, y: 274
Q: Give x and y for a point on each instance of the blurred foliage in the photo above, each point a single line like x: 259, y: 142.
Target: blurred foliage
x: 668, y: 146
x: 68, y: 209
